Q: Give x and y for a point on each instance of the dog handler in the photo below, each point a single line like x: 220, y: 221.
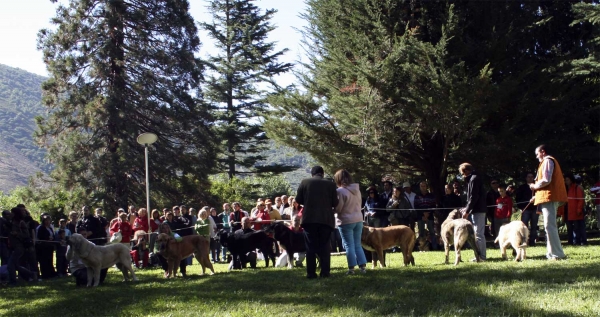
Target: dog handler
x: 319, y: 198
x: 550, y: 191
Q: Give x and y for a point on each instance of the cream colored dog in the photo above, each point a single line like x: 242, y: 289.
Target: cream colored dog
x: 514, y: 233
x: 457, y: 231
x: 97, y: 257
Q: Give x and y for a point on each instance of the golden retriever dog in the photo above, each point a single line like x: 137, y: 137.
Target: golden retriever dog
x: 97, y: 257
x: 515, y: 234
x: 379, y: 239
x: 174, y: 251
x: 457, y: 231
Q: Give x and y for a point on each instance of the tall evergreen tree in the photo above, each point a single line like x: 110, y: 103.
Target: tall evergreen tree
x: 418, y: 87
x: 118, y: 69
x: 246, y: 62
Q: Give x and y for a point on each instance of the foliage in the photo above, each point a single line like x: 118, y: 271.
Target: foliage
x: 58, y: 203
x: 536, y: 287
x: 118, y: 69
x: 246, y: 190
x: 245, y: 62
x: 414, y: 88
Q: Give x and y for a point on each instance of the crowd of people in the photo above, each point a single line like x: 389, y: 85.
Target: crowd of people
x: 331, y: 216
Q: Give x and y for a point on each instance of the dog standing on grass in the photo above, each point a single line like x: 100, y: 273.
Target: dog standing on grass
x: 379, y: 239
x: 457, y: 231
x: 514, y: 233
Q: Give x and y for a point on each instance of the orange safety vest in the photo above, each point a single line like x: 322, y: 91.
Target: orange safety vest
x: 556, y: 191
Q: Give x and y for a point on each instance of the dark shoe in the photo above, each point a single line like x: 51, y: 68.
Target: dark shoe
x: 311, y: 276
x: 325, y: 275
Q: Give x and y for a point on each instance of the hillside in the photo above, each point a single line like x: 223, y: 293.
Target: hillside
x: 20, y: 103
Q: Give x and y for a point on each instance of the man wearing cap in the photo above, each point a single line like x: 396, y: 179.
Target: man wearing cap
x: 319, y: 197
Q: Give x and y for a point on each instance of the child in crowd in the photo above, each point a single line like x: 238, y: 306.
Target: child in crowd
x: 504, y: 209
x: 62, y: 225
x: 62, y: 265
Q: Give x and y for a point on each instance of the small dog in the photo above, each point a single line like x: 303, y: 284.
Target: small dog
x: 457, y: 231
x: 379, y: 239
x: 515, y: 234
x: 292, y: 242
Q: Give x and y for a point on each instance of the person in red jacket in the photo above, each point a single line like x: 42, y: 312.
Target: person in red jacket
x: 573, y: 213
x: 124, y: 227
x: 504, y: 209
x: 141, y: 222
x: 262, y: 216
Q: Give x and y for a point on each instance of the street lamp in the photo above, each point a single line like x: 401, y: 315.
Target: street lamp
x: 146, y: 139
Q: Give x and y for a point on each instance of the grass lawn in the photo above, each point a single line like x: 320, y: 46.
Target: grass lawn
x: 536, y: 287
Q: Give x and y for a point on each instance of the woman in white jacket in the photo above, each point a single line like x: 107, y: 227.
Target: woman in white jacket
x: 350, y: 220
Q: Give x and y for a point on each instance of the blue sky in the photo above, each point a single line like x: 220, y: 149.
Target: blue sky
x: 20, y: 20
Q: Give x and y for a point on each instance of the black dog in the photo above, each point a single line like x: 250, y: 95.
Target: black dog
x: 240, y: 244
x: 291, y: 242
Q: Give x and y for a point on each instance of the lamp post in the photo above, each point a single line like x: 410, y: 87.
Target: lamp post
x: 146, y: 139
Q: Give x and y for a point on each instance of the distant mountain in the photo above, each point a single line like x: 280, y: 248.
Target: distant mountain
x: 20, y: 103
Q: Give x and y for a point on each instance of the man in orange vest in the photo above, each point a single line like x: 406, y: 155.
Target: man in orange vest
x: 550, y: 191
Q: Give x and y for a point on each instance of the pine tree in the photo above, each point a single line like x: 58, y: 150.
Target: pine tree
x: 118, y: 69
x: 417, y: 87
x: 246, y: 62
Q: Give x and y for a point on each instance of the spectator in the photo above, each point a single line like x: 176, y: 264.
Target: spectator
x: 92, y: 226
x: 550, y: 190
x: 62, y: 265
x: 262, y: 215
x: 490, y: 199
x: 226, y: 227
x: 376, y: 216
x: 273, y: 213
x: 142, y: 223
x: 202, y: 225
x: 475, y: 210
x: 596, y: 191
x: 573, y: 214
x: 235, y: 218
x: 103, y: 222
x: 5, y: 228
x: 21, y: 242
x: 399, y: 208
x: 123, y: 226
x: 529, y: 214
x: 459, y: 192
x: 292, y: 210
x: 182, y: 224
x: 255, y: 209
x: 217, y: 224
x: 319, y: 198
x: 451, y: 200
x: 504, y: 209
x: 349, y: 220
x: 45, y: 248
x: 425, y: 205
x: 285, y: 203
x: 73, y: 217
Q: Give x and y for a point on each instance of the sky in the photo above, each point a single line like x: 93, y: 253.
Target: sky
x: 20, y: 21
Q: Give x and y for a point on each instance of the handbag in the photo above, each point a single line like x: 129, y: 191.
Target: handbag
x: 116, y: 237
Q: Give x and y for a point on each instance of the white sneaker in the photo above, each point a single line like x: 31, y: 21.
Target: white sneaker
x: 350, y: 272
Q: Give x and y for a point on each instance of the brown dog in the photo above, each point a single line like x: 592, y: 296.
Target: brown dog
x: 175, y: 251
x: 379, y: 239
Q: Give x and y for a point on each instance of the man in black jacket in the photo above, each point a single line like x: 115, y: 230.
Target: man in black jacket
x: 475, y: 208
x: 93, y: 227
x: 319, y: 198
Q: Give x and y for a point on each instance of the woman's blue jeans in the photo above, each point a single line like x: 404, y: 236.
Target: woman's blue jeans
x: 351, y: 240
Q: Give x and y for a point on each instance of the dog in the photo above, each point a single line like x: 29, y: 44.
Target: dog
x: 97, y: 257
x: 174, y: 251
x: 240, y: 244
x: 379, y: 239
x: 291, y: 242
x: 457, y: 231
x: 516, y: 234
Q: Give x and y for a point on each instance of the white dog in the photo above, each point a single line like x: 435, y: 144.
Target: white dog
x: 96, y: 257
x: 516, y: 234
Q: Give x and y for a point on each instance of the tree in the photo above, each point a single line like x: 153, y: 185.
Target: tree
x: 117, y: 69
x: 417, y: 87
x: 246, y: 61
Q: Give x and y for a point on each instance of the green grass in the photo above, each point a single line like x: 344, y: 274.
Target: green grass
x: 536, y: 287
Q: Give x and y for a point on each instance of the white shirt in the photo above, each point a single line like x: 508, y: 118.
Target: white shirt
x: 547, y: 170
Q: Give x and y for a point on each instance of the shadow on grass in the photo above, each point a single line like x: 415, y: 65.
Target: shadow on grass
x: 430, y: 288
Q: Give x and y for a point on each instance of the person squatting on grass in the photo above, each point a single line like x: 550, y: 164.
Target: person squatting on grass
x: 350, y: 220
x: 475, y: 210
x: 319, y: 198
x: 550, y: 191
